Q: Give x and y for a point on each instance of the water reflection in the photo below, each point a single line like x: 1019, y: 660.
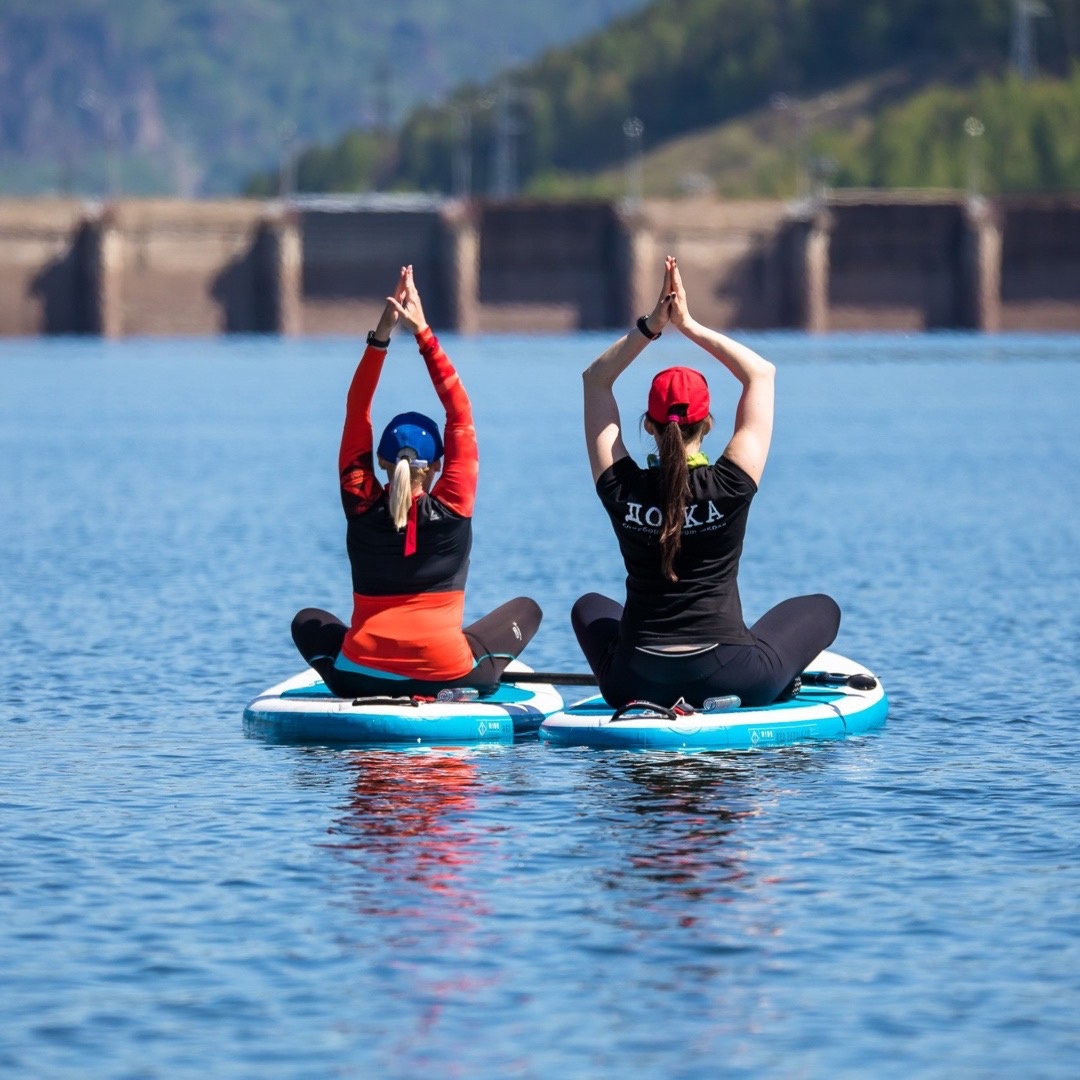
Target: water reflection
x: 412, y: 833
x: 682, y: 824
x: 410, y: 827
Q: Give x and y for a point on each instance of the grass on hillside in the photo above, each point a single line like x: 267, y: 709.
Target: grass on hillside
x: 774, y: 151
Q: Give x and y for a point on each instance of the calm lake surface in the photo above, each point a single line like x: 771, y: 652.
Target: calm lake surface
x: 180, y: 900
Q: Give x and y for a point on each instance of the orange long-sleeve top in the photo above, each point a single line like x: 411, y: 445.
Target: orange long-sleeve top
x: 408, y: 605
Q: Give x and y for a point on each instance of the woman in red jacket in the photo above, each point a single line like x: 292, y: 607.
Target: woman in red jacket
x: 409, y: 541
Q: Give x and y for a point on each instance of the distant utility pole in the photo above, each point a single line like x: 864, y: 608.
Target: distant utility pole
x: 633, y: 130
x: 509, y: 102
x: 108, y: 113
x: 381, y: 94
x: 974, y: 129
x: 804, y: 115
x: 506, y: 130
x: 462, y: 163
x: 287, y: 175
x: 1023, y: 36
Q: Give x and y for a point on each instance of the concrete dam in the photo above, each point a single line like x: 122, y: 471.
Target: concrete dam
x: 847, y: 262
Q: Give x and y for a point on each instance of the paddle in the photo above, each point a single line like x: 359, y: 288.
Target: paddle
x: 581, y: 678
x: 561, y: 678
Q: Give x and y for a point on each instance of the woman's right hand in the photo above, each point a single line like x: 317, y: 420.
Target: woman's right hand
x: 658, y: 318
x: 389, y: 317
x: 407, y: 302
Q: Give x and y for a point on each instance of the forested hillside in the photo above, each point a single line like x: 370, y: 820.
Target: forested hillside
x: 743, y: 96
x: 683, y: 66
x: 194, y: 95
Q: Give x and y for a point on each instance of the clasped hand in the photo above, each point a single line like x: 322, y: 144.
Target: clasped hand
x: 671, y: 303
x: 403, y: 304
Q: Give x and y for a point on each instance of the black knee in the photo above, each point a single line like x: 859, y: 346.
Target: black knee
x: 317, y: 633
x: 528, y: 613
x: 592, y: 606
x: 301, y: 620
x: 525, y: 617
x: 829, y: 614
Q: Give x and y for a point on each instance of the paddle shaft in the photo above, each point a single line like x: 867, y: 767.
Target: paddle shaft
x: 561, y: 678
x: 581, y: 678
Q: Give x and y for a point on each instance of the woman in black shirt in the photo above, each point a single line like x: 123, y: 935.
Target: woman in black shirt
x: 680, y: 525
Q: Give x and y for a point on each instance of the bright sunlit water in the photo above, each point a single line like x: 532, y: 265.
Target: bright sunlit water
x: 180, y: 900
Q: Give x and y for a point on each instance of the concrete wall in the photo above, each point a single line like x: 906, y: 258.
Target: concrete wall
x: 350, y: 258
x: 551, y: 266
x: 44, y: 288
x: 898, y: 266
x: 731, y: 254
x: 1040, y: 264
x: 142, y: 267
x: 856, y: 262
x: 187, y: 268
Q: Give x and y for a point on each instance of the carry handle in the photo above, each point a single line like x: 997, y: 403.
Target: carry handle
x: 857, y: 681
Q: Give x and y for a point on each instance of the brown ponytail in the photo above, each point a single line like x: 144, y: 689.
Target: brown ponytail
x: 671, y: 440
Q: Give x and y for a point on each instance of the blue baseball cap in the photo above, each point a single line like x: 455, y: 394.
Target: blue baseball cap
x: 411, y: 431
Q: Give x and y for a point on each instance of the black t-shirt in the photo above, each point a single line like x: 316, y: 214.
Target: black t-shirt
x: 703, y: 606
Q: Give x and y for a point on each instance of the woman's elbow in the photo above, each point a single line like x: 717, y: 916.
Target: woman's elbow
x: 765, y: 370
x: 594, y: 378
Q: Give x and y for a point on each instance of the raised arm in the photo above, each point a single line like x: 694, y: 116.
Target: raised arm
x: 603, y: 428
x: 360, y: 485
x: 750, y: 440
x: 456, y: 486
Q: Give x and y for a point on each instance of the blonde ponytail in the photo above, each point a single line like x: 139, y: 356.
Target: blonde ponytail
x: 401, y: 493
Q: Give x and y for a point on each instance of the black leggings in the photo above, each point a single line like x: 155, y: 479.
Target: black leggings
x: 495, y: 639
x: 786, y: 639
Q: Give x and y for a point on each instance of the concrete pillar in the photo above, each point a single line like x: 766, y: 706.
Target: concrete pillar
x: 103, y: 251
x: 285, y: 256
x: 643, y: 264
x: 816, y: 313
x: 806, y: 303
x: 461, y: 266
x: 983, y: 266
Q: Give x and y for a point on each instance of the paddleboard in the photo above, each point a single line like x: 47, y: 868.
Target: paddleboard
x: 838, y: 698
x: 302, y: 710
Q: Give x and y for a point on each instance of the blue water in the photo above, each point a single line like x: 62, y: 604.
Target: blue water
x: 180, y: 900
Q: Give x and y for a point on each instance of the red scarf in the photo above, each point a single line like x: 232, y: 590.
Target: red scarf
x: 410, y: 528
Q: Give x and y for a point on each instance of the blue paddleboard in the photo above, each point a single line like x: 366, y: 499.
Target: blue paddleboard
x: 828, y: 706
x: 302, y: 710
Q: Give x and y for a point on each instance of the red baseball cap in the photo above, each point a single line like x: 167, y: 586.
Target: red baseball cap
x: 680, y: 394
